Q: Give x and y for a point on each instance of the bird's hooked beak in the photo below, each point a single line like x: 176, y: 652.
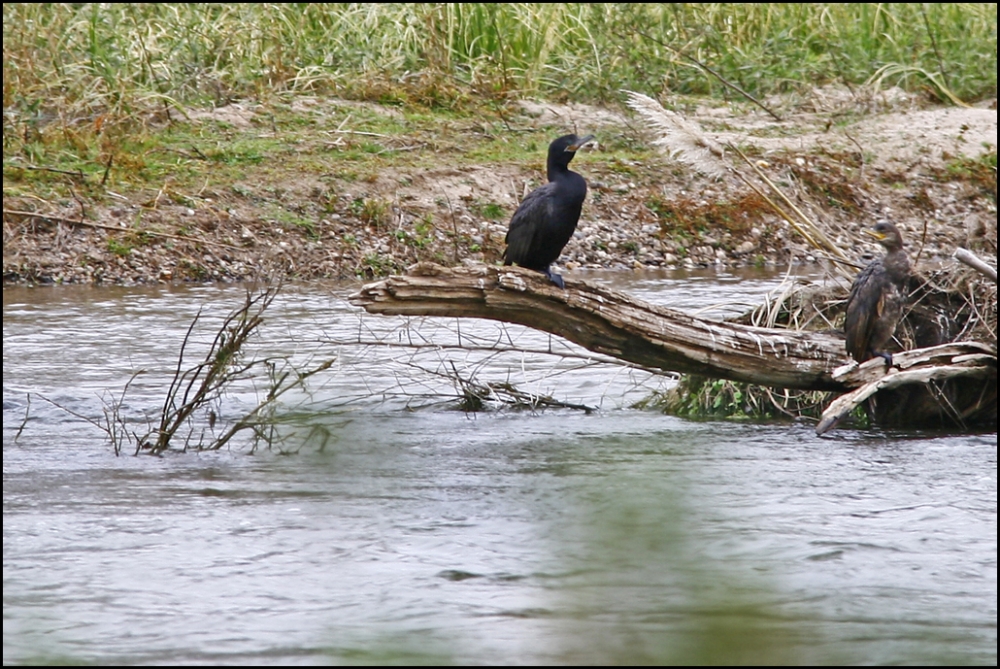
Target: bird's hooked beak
x: 879, y: 236
x: 580, y: 143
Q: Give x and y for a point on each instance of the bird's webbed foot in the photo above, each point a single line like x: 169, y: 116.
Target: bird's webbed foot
x: 555, y: 278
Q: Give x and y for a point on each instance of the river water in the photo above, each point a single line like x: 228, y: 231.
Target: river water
x: 388, y: 527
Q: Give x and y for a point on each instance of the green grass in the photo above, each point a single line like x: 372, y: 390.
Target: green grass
x: 109, y: 91
x: 108, y: 58
x: 119, y: 248
x: 981, y: 171
x: 490, y: 210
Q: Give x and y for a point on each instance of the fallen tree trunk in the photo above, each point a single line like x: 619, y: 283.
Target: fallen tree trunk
x: 615, y: 324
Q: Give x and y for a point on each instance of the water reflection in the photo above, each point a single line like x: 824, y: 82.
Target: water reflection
x: 439, y: 536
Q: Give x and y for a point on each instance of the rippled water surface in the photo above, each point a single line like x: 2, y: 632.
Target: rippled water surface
x: 391, y: 528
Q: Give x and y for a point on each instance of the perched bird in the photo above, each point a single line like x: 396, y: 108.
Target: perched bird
x: 547, y: 217
x: 877, y: 296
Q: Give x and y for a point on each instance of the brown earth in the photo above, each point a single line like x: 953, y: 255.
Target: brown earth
x: 845, y: 160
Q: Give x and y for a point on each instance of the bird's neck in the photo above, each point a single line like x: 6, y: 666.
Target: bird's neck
x: 558, y: 171
x: 897, y: 265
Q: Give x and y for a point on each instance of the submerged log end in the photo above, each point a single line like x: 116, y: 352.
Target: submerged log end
x: 948, y: 384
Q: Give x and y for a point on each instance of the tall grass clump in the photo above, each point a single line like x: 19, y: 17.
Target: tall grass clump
x: 78, y: 62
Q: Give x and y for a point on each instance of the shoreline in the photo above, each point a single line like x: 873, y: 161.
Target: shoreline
x: 358, y: 216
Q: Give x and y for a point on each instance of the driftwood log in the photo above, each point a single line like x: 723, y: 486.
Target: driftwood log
x: 976, y: 263
x: 613, y: 323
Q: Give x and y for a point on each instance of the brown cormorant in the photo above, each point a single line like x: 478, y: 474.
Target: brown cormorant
x: 877, y: 296
x: 547, y: 217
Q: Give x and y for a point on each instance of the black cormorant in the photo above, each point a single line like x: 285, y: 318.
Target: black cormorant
x: 877, y: 296
x: 547, y: 217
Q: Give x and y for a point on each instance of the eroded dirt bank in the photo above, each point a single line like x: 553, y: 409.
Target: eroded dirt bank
x: 440, y: 196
